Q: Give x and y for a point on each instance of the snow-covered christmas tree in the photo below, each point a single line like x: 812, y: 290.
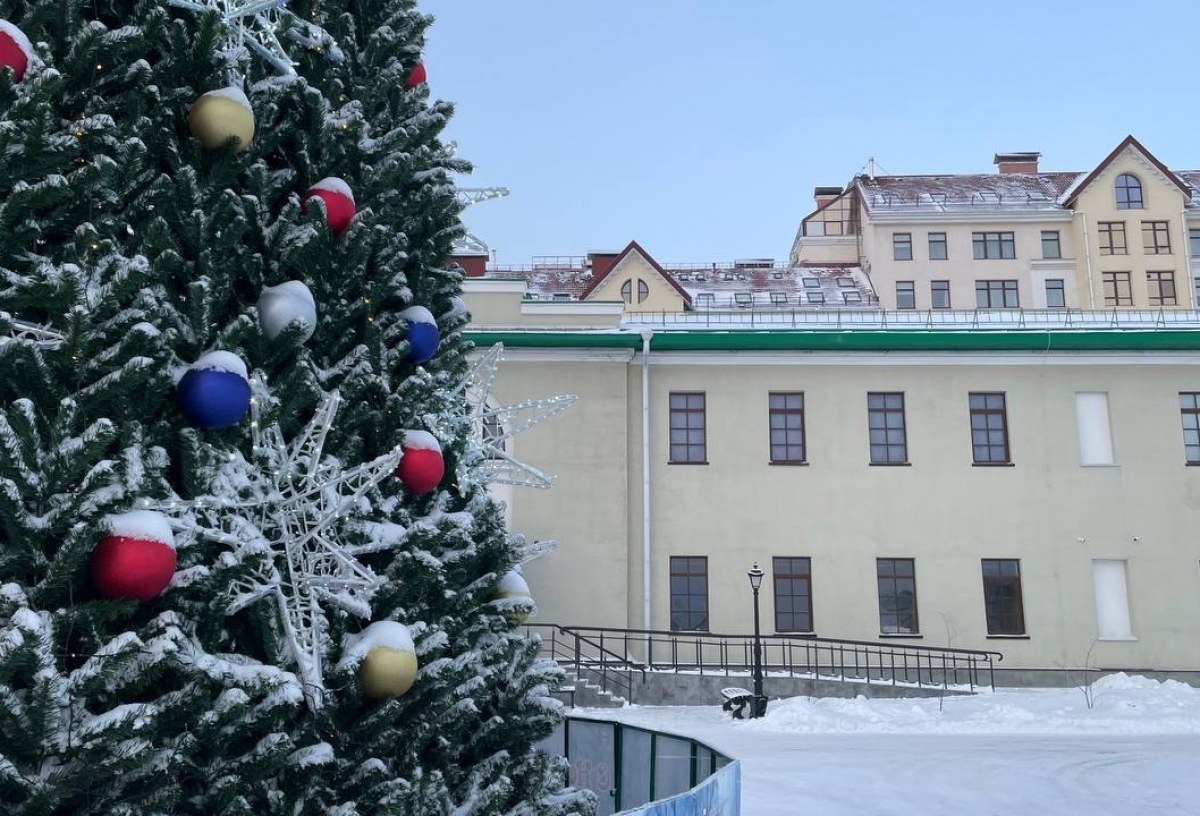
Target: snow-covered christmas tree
x: 247, y: 561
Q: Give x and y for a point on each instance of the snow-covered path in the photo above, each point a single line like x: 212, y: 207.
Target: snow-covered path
x: 1020, y: 752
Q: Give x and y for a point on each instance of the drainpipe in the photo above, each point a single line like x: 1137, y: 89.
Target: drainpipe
x: 1087, y: 254
x: 646, y: 622
x: 1187, y: 259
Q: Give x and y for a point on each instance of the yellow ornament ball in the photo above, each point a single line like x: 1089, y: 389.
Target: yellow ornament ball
x: 221, y: 115
x: 513, y: 587
x: 389, y: 660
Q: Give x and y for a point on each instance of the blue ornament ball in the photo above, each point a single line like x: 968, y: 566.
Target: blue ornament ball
x: 421, y: 334
x: 215, y: 391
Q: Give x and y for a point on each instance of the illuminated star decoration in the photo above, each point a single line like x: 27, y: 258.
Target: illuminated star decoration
x: 494, y: 426
x: 257, y: 25
x: 282, y: 515
x: 41, y: 335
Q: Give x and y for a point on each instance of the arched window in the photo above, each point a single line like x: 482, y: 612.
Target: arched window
x: 643, y: 290
x: 627, y: 291
x: 1129, y: 192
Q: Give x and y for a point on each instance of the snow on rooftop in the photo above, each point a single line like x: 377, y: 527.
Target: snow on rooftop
x: 1036, y: 191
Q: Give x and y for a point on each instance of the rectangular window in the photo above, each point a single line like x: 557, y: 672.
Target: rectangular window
x: 793, y: 594
x: 989, y: 429
x: 786, y: 418
x: 1095, y: 434
x: 906, y: 295
x: 993, y: 245
x: 1156, y: 237
x: 688, y: 444
x: 1189, y: 408
x: 939, y: 294
x: 897, y: 581
x: 1161, y: 286
x: 1194, y: 243
x: 689, y: 594
x: 1002, y: 603
x: 1112, y: 238
x: 902, y: 246
x: 1117, y: 291
x: 889, y: 441
x: 1056, y: 294
x: 996, y: 294
x: 1112, y: 600
x: 1051, y: 248
x: 937, y: 246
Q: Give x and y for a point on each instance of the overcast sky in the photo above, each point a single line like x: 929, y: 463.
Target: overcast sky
x: 699, y: 128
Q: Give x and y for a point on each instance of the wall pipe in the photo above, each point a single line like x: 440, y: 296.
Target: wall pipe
x: 647, y: 334
x: 1087, y: 254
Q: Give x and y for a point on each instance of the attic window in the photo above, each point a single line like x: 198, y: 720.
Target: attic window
x: 562, y: 296
x: 812, y: 283
x: 846, y: 283
x: 705, y: 299
x: 728, y: 276
x: 1129, y: 192
x: 779, y: 298
x: 852, y: 297
x: 816, y: 297
x: 743, y: 299
x: 643, y: 291
x: 684, y: 276
x: 701, y: 276
x: 777, y: 275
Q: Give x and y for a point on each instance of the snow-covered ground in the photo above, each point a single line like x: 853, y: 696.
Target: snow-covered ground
x: 1137, y: 751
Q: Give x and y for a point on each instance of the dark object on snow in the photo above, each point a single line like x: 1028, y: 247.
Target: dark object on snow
x: 736, y: 700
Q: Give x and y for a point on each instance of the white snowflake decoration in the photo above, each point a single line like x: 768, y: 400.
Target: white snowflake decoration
x: 289, y: 512
x: 494, y: 426
x: 256, y: 24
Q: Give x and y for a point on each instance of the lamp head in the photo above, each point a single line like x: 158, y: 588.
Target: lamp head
x: 756, y: 576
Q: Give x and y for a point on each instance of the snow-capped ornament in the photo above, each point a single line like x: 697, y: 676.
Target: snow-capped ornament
x: 513, y: 587
x: 422, y: 467
x: 421, y: 334
x: 221, y: 115
x: 339, y: 203
x: 16, y: 52
x: 137, y: 557
x: 215, y: 391
x: 280, y: 306
x: 389, y: 659
x: 416, y: 77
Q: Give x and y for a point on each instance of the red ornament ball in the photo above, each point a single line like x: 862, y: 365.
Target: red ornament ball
x: 16, y: 52
x: 137, y: 558
x: 416, y: 76
x: 339, y: 202
x: 422, y: 467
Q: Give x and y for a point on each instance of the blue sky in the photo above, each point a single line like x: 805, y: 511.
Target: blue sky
x: 700, y: 128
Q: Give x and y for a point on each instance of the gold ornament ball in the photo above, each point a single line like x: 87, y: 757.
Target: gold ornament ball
x: 387, y: 672
x: 219, y: 115
x: 513, y: 585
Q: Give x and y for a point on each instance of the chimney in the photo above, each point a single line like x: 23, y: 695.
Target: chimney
x: 823, y: 195
x: 601, y: 262
x: 1017, y: 162
x: 473, y: 265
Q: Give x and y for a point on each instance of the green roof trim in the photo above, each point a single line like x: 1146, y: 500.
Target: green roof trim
x: 896, y: 340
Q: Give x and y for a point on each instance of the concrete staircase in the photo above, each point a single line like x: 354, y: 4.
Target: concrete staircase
x: 578, y: 692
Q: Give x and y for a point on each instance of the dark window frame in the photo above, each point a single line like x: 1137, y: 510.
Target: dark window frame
x: 882, y: 408
x: 902, y: 244
x: 1061, y: 289
x: 938, y: 239
x: 1189, y: 412
x: 1113, y: 279
x: 994, y: 246
x: 686, y: 412
x: 786, y: 411
x: 997, y: 620
x: 791, y: 576
x: 685, y: 567
x: 997, y: 289
x: 910, y: 291
x: 1194, y: 242
x: 1160, y: 286
x: 1156, y: 237
x: 890, y: 622
x: 1107, y: 233
x: 936, y: 288
x: 1055, y: 241
x: 1128, y: 189
x: 984, y: 410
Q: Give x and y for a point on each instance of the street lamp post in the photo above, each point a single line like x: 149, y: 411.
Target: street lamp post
x: 758, y: 706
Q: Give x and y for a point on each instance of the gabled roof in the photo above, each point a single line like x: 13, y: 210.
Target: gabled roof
x: 1073, y: 193
x: 634, y: 245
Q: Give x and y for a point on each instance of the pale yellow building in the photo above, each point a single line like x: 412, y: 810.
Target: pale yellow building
x: 1123, y: 235
x: 1023, y: 489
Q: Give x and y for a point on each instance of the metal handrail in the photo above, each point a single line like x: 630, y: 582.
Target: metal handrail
x: 791, y: 654
x: 589, y: 658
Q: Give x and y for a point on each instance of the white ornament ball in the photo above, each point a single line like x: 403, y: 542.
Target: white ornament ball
x: 389, y: 659
x: 512, y: 586
x: 279, y: 306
